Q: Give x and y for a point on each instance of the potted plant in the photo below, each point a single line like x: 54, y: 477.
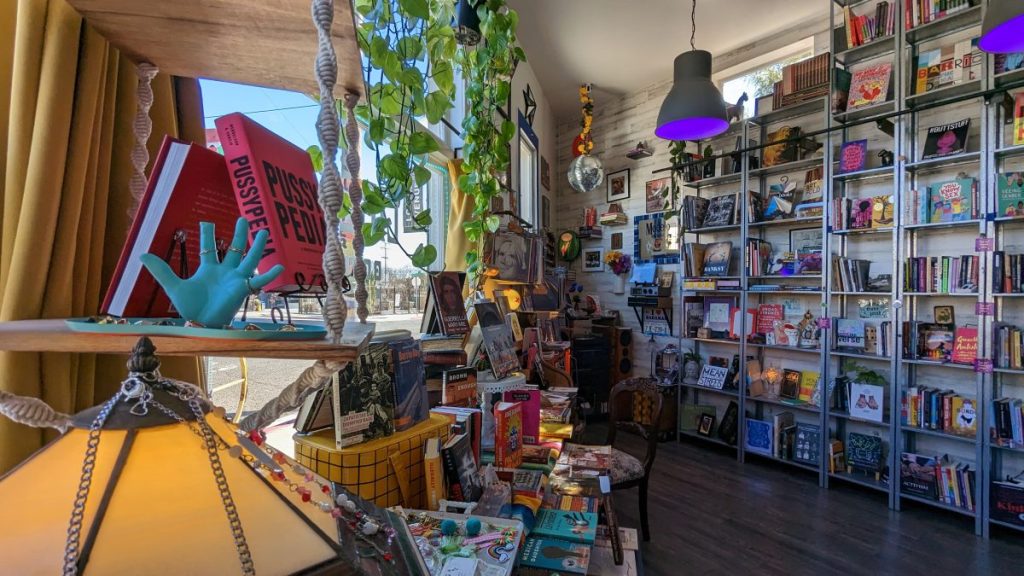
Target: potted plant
x: 620, y: 264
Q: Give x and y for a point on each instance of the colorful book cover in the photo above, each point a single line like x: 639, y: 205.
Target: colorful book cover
x: 951, y: 201
x: 276, y: 190
x: 882, y: 211
x: 366, y: 397
x: 1010, y: 194
x: 1018, y: 119
x: 569, y: 526
x: 790, y: 383
x: 965, y: 416
x: 861, y: 210
x: 867, y: 401
x: 508, y: 434
x: 808, y: 383
x: 965, y: 345
x: 946, y: 139
x: 928, y: 70
x: 870, y: 85
x: 567, y: 503
x: 864, y: 452
x: 458, y: 387
x: 587, y: 457
x: 451, y: 309
x: 759, y: 437
x: 556, y: 556
x: 716, y: 259
x: 853, y: 156
x: 530, y: 400
x: 850, y: 334
x: 460, y: 469
x: 767, y: 316
x: 433, y: 472
x: 411, y: 404
x: 917, y: 475
x: 498, y: 340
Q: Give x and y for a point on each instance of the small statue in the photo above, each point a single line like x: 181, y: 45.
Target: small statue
x: 709, y: 165
x: 735, y: 111
x: 886, y: 156
x: 808, y: 331
x: 691, y: 372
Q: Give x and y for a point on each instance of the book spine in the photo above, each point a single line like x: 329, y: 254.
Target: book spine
x: 451, y: 474
x: 434, y: 478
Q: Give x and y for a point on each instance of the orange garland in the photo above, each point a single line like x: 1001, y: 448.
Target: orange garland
x: 583, y: 143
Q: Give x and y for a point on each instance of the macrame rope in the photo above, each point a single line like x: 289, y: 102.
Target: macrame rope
x: 32, y: 412
x: 143, y: 128
x: 312, y: 378
x: 327, y: 127
x: 355, y: 194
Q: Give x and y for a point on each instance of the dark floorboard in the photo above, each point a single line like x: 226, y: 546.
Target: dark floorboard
x: 711, y: 515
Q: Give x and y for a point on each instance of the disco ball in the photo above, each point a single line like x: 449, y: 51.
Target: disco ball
x: 585, y: 173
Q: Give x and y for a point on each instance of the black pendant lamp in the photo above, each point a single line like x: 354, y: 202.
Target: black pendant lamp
x: 466, y: 23
x: 1002, y: 30
x: 693, y: 109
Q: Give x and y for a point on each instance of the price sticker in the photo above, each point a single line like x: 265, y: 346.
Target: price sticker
x: 984, y: 244
x: 985, y: 308
x: 983, y: 366
x: 824, y: 323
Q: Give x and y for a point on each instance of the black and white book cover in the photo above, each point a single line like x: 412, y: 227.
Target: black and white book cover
x: 498, y: 340
x: 721, y: 211
x: 366, y: 397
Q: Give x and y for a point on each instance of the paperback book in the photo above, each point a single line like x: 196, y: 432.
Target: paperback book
x: 853, y: 156
x: 946, y: 139
x: 1010, y: 194
x: 952, y: 201
x: 554, y: 556
x: 580, y: 527
x: 716, y: 259
x: 497, y: 339
x: 508, y: 434
x: 411, y: 404
x: 721, y: 211
x: 446, y: 289
x: 869, y: 86
x: 459, y: 387
x: 366, y: 402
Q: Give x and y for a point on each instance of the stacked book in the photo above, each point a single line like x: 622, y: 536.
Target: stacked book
x: 1008, y: 418
x: 850, y: 274
x: 920, y: 12
x: 803, y: 81
x: 758, y: 257
x: 939, y: 410
x: 693, y: 212
x: 941, y: 274
x: 869, y: 27
x: 862, y: 213
x: 952, y: 201
x: 939, y: 479
x: 1007, y: 346
x: 1007, y: 272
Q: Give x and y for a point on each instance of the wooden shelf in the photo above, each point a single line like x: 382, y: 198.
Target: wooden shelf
x: 55, y: 336
x: 263, y: 43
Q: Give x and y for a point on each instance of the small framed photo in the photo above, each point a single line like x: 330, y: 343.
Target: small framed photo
x: 593, y: 259
x: 944, y: 315
x: 805, y: 240
x: 659, y: 195
x: 665, y: 278
x: 706, y: 424
x: 545, y: 212
x: 616, y: 240
x: 618, y: 185
x: 545, y: 173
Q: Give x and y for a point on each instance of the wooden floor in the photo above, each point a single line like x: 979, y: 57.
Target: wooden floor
x: 710, y: 515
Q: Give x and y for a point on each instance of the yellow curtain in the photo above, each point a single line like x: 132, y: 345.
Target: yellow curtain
x: 460, y: 210
x: 67, y: 105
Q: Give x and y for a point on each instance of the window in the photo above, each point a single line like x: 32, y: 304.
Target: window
x: 757, y: 77
x: 528, y: 201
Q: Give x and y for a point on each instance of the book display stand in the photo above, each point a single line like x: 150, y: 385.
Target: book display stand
x: 918, y: 350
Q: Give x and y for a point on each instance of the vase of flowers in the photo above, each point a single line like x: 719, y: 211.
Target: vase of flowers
x: 620, y: 264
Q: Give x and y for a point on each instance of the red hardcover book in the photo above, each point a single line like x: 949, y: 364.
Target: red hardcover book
x: 276, y: 190
x: 187, y: 185
x: 965, y: 345
x: 508, y: 434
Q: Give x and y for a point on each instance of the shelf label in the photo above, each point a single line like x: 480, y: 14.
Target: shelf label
x: 984, y: 244
x: 824, y: 323
x: 983, y: 365
x: 985, y: 308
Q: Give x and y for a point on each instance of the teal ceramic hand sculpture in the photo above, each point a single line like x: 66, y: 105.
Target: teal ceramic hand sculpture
x: 215, y: 292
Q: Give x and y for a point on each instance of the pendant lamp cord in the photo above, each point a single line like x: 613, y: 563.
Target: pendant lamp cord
x: 693, y: 24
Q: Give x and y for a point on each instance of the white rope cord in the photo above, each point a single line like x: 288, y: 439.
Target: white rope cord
x: 313, y: 378
x: 143, y: 128
x: 327, y: 127
x: 32, y: 412
x: 355, y: 194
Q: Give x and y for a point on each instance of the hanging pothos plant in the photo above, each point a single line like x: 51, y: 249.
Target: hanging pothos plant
x: 409, y: 54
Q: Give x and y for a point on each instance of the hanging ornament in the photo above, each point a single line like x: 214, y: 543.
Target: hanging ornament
x: 585, y: 171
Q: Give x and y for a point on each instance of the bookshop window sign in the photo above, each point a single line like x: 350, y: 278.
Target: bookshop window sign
x: 656, y: 239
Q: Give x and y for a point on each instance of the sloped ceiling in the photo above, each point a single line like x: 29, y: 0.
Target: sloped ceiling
x: 622, y: 46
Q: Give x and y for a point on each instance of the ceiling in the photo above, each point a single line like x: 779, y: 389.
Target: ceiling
x: 621, y: 46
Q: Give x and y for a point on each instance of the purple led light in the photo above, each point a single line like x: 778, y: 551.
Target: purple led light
x: 692, y: 128
x: 1005, y: 38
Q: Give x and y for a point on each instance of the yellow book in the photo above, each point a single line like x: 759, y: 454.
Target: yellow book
x: 1018, y: 119
x: 433, y: 473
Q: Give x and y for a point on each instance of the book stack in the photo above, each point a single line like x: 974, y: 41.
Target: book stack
x: 862, y: 213
x: 918, y: 12
x: 869, y: 27
x: 1007, y: 346
x: 1007, y: 273
x: 1008, y: 422
x: 941, y: 274
x: 693, y: 211
x: 940, y: 410
x: 939, y: 479
x: 758, y: 257
x: 802, y: 81
x: 952, y: 201
x: 948, y: 65
x: 850, y: 274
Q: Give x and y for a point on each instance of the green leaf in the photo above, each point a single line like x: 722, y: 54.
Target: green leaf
x: 410, y: 48
x: 346, y: 206
x: 372, y: 234
x: 437, y: 105
x: 394, y: 166
x: 421, y: 175
x: 375, y: 131
x: 415, y: 8
x: 422, y: 143
x: 508, y: 130
x: 391, y: 64
x: 424, y: 256
x: 473, y: 230
x: 444, y: 77
x: 364, y: 7
x: 316, y: 155
x: 413, y: 78
x: 423, y: 219
x: 492, y: 223
x: 378, y: 48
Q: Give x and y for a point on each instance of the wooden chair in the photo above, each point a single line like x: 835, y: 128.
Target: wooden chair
x: 627, y: 470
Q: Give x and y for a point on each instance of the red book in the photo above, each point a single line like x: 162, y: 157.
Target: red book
x: 276, y: 190
x: 530, y: 400
x: 187, y: 185
x: 508, y: 434
x: 965, y: 345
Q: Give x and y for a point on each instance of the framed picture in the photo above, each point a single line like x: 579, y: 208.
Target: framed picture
x: 618, y: 185
x: 665, y: 278
x: 545, y: 212
x: 616, y: 240
x: 593, y: 259
x: 659, y: 195
x: 944, y: 315
x: 545, y: 173
x: 804, y: 240
x: 706, y: 424
x: 655, y: 239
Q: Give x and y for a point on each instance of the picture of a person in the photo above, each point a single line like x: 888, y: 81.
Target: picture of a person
x: 510, y: 257
x: 948, y: 143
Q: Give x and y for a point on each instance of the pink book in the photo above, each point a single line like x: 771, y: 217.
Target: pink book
x: 530, y: 399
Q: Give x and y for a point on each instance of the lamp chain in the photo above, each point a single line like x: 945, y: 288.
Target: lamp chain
x: 693, y: 24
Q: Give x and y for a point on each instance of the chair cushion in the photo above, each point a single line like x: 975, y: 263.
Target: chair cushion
x: 625, y: 467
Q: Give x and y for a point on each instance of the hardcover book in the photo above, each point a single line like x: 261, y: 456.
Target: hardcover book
x: 786, y: 150
x: 578, y: 527
x: 508, y: 434
x: 716, y: 259
x: 460, y: 469
x: 965, y: 345
x: 861, y: 210
x: 952, y: 201
x: 530, y: 400
x: 869, y: 85
x: 807, y: 443
x: 864, y: 452
x: 946, y: 139
x: 767, y: 316
x: 790, y: 384
x: 850, y: 334
x: 458, y: 386
x: 366, y: 401
x: 964, y: 416
x: 759, y: 437
x: 1010, y: 194
x: 554, y: 556
x: 853, y: 156
x: 498, y: 340
x: 187, y: 185
x: 411, y: 404
x: 882, y: 211
x: 808, y: 384
x: 917, y: 475
x: 730, y: 421
x: 451, y: 310
x: 721, y: 211
x: 867, y: 402
x: 276, y: 190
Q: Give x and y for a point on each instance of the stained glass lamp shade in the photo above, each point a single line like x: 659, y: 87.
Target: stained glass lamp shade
x: 154, y: 505
x: 693, y: 108
x: 1002, y: 30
